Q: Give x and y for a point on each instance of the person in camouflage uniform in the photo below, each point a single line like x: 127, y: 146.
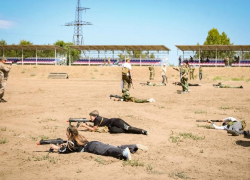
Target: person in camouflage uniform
x: 220, y: 85
x: 4, y: 72
x: 153, y: 84
x: 109, y: 61
x: 191, y: 72
x: 126, y: 97
x: 152, y: 72
x: 184, y: 77
x: 104, y: 62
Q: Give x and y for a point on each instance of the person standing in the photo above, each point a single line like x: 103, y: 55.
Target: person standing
x: 179, y: 60
x: 191, y: 71
x: 184, y: 79
x: 4, y: 71
x: 200, y: 73
x: 126, y: 74
x: 109, y: 61
x: 104, y: 61
x: 164, y: 74
x: 152, y: 72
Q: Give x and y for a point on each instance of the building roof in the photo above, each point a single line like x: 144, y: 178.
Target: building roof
x: 32, y: 47
x: 120, y: 47
x: 213, y: 47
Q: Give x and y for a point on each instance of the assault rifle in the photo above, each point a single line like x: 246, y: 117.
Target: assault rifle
x: 57, y: 141
x: 115, y: 96
x: 78, y: 120
x: 208, y: 120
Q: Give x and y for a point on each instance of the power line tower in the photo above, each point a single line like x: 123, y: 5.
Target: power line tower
x: 78, y: 23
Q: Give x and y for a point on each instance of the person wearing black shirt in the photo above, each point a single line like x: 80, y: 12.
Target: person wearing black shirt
x: 115, y: 125
x: 78, y: 143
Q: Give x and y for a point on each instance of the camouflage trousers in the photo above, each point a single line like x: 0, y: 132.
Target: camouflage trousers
x: 126, y: 82
x: 184, y: 84
x: 151, y: 76
x: 140, y: 100
x: 191, y: 76
x: 2, y: 87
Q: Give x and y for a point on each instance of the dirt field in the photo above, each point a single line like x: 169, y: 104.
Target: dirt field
x: 38, y: 107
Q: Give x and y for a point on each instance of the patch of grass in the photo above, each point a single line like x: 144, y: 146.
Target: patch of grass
x: 23, y: 72
x: 44, y: 137
x: 34, y: 138
x: 3, y: 141
x: 3, y: 129
x: 175, y: 139
x: 95, y: 70
x: 101, y: 74
x: 191, y: 136
x: 161, y: 107
x: 133, y: 163
x: 237, y: 79
x: 99, y: 160
x: 149, y: 168
x: 180, y: 175
x: 225, y: 107
x: 217, y: 78
x: 205, y: 126
x: 200, y: 112
x: 201, y: 151
x: 45, y: 157
x: 16, y: 134
x: 92, y: 77
x: 78, y: 171
x: 33, y: 75
x: 129, y: 115
x: 247, y: 80
x: 34, y: 66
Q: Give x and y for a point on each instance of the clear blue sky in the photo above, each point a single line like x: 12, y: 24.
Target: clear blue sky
x: 126, y: 22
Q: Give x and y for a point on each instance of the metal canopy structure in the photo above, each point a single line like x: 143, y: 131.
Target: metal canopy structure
x: 120, y: 47
x: 33, y: 47
x: 113, y: 48
x: 213, y: 47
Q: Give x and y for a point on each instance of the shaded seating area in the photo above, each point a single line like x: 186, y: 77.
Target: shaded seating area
x: 214, y: 61
x: 11, y: 60
x: 45, y: 61
x: 244, y: 63
x: 93, y: 61
x: 133, y: 52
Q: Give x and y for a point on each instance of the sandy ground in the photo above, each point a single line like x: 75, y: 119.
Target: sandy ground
x: 38, y: 107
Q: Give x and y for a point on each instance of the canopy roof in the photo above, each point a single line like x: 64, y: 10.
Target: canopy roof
x: 213, y: 47
x: 32, y: 47
x: 120, y: 47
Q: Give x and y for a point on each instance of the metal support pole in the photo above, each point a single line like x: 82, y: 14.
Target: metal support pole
x: 55, y: 56
x: 89, y: 57
x: 140, y: 57
x: 199, y: 56
x: 22, y: 56
x: 3, y: 52
x: 36, y: 56
x: 183, y: 57
x: 69, y: 56
x: 216, y: 56
x: 241, y: 57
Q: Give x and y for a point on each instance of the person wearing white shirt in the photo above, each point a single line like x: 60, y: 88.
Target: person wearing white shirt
x: 126, y: 74
x: 164, y: 73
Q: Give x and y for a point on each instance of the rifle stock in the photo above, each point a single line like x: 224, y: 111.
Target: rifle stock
x: 207, y: 120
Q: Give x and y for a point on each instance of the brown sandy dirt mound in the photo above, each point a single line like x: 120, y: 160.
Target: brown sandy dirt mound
x: 38, y: 107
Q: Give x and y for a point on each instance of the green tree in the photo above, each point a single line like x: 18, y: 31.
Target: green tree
x: 215, y: 38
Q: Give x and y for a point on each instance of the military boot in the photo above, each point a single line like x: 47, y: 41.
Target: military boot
x: 137, y: 131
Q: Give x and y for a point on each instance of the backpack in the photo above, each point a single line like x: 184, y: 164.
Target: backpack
x: 244, y: 124
x: 124, y: 70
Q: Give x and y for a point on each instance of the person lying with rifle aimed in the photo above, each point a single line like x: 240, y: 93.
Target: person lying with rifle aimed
x: 115, y: 125
x: 78, y: 143
x: 126, y: 97
x: 152, y: 84
x: 220, y: 85
x: 232, y: 125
